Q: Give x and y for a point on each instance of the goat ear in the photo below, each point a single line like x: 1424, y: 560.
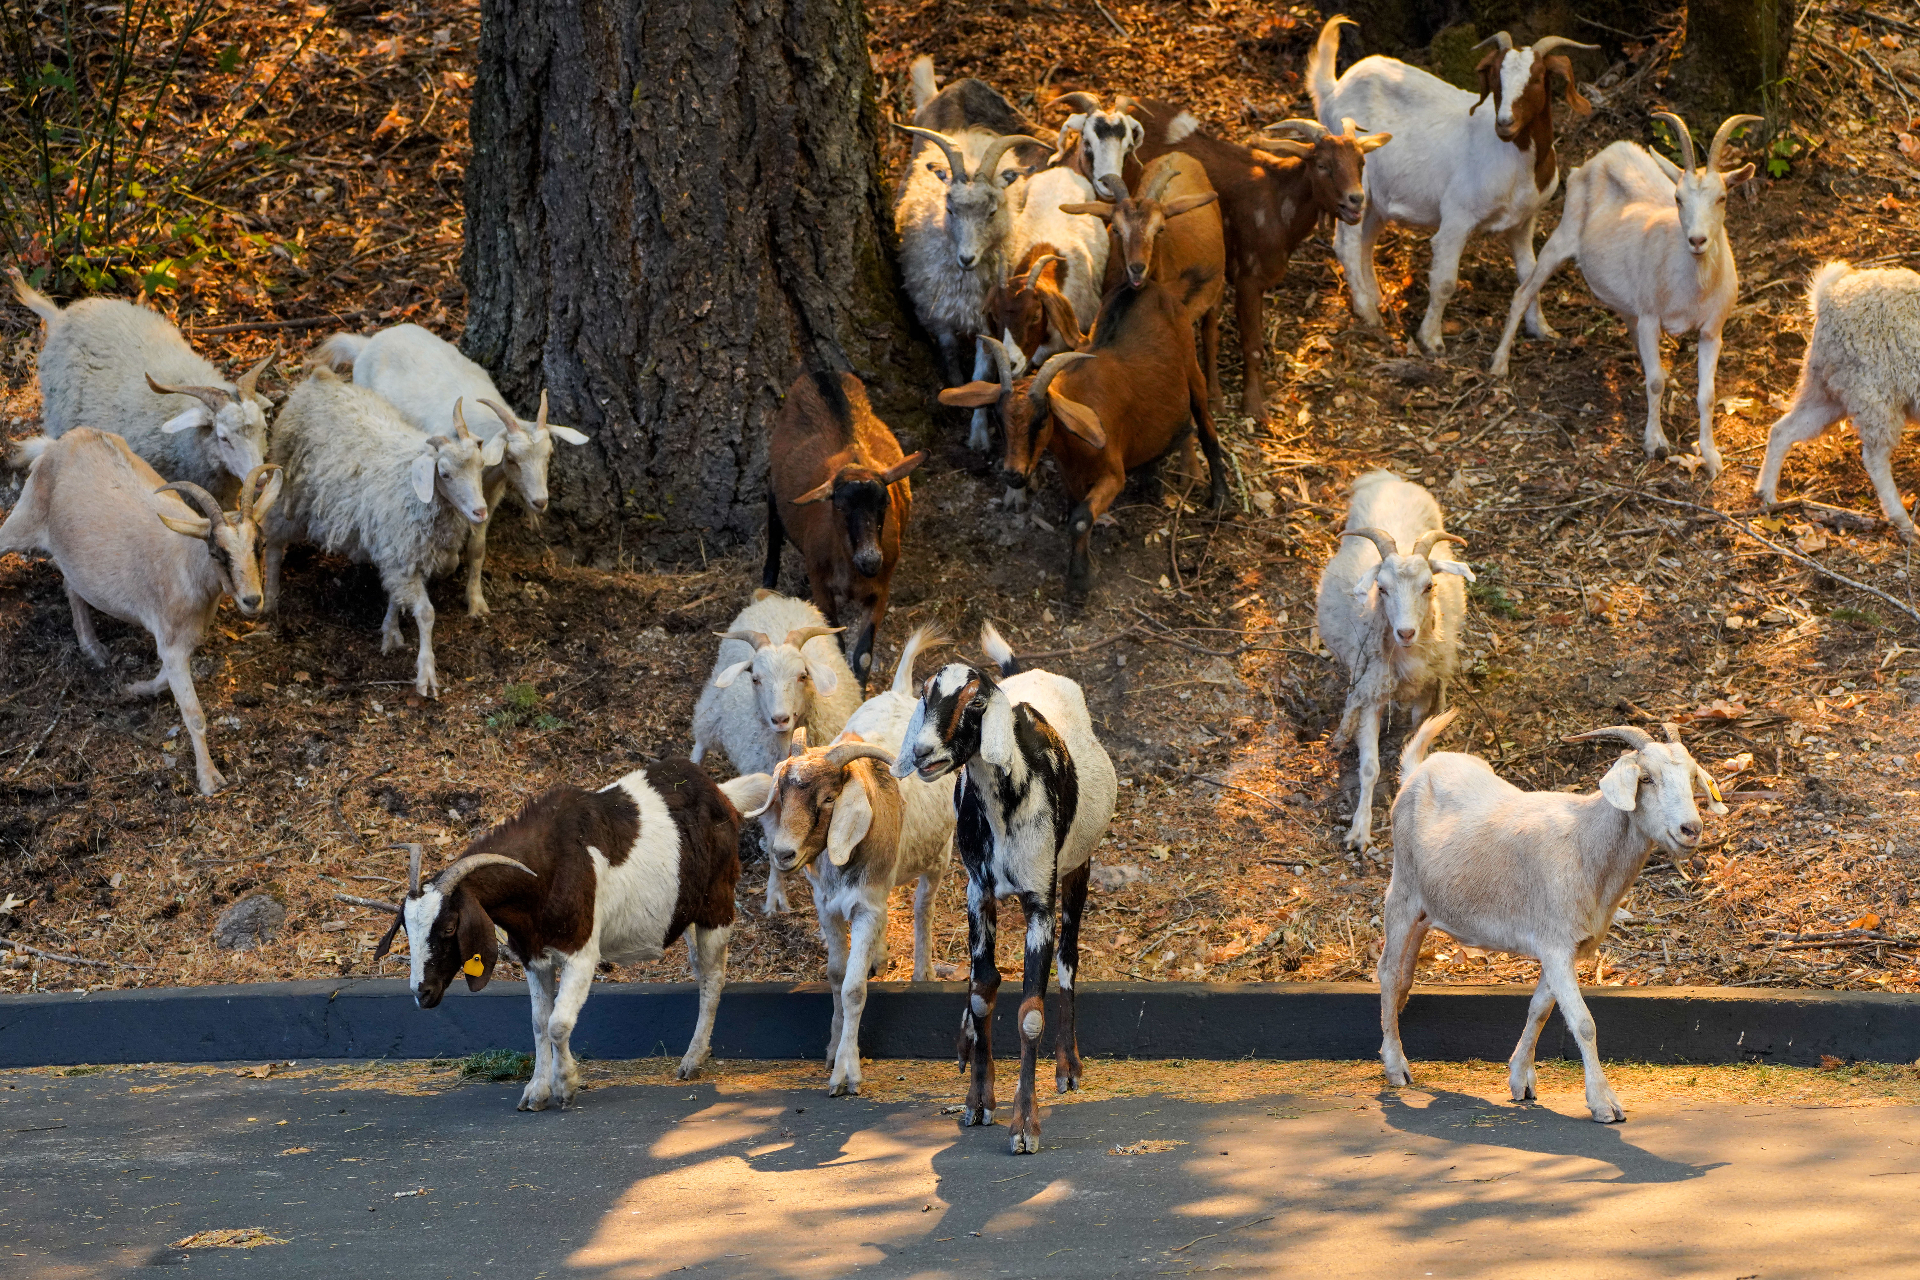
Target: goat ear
x: 1372, y: 142
x: 1091, y: 208
x: 1734, y: 177
x: 479, y: 948
x: 1673, y: 171
x: 421, y: 474
x: 996, y: 731
x: 902, y: 469
x: 1364, y: 587
x: 198, y: 416
x: 1489, y: 68
x: 568, y: 434
x: 1187, y: 204
x: 852, y: 818
x: 1078, y: 419
x: 728, y: 675
x: 824, y: 679
x: 1453, y: 567
x: 819, y: 493
x: 494, y: 450
x: 1558, y: 64
x: 1715, y: 804
x: 1621, y: 785
x: 974, y: 395
x: 191, y: 526
x: 1136, y: 133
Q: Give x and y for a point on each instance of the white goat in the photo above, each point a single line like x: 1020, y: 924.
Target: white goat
x: 877, y: 833
x: 1533, y: 873
x: 1651, y: 240
x: 1449, y: 166
x: 1863, y: 363
x: 798, y: 679
x: 123, y: 368
x: 1097, y: 142
x: 131, y: 549
x: 1393, y: 618
x: 363, y: 483
x: 423, y: 376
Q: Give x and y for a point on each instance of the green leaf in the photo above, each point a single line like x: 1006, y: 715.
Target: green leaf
x: 229, y: 58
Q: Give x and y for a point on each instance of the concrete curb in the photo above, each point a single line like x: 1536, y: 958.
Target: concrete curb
x: 377, y: 1019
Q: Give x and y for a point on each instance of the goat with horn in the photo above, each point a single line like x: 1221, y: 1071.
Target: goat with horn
x: 575, y: 878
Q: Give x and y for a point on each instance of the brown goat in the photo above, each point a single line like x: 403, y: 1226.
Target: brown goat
x: 1527, y: 121
x: 1028, y: 310
x: 1270, y: 202
x: 1120, y: 405
x: 1187, y: 256
x: 837, y: 485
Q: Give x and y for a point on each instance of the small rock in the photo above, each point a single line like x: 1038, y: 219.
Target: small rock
x: 1109, y: 878
x: 251, y: 922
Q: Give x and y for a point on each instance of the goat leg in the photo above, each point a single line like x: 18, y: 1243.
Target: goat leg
x: 712, y: 946
x: 576, y: 982
x: 1443, y: 278
x: 1646, y: 336
x: 1520, y: 1075
x: 1367, y: 738
x: 1403, y: 924
x: 1520, y: 247
x: 833, y: 931
x: 1557, y: 971
x: 1066, y: 1040
x: 1209, y: 440
x: 1024, y: 1135
x: 923, y: 926
x: 1210, y: 352
x: 1709, y: 363
x: 869, y: 940
x: 1876, y: 455
x: 1814, y: 411
x: 540, y: 989
x: 976, y: 1023
x: 176, y: 666
x: 84, y: 633
x: 1080, y: 529
x: 1249, y: 310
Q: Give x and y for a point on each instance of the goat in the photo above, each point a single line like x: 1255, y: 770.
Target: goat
x: 423, y: 375
x: 797, y: 680
x: 578, y: 877
x: 839, y: 468
x: 1120, y: 405
x: 363, y: 483
x: 1270, y: 201
x: 1651, y: 240
x: 1534, y: 873
x: 877, y: 833
x: 116, y: 366
x: 1393, y: 618
x: 1096, y: 142
x: 1861, y: 363
x: 952, y: 219
x: 87, y: 503
x: 1036, y: 793
x: 1452, y: 169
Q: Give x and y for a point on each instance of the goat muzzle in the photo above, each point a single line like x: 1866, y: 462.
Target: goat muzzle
x: 1136, y: 274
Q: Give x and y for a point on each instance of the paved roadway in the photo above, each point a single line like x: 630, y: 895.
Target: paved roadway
x: 100, y: 1173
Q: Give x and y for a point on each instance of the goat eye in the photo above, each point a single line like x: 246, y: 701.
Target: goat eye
x: 979, y: 702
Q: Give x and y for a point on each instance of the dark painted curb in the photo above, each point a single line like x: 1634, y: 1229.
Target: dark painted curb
x: 377, y: 1019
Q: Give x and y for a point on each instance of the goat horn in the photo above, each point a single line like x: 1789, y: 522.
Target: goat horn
x: 1002, y: 361
x: 800, y: 635
x: 956, y: 160
x: 215, y: 398
x: 1500, y: 38
x: 1424, y: 547
x: 990, y: 158
x: 198, y: 497
x: 1039, y: 266
x: 505, y: 415
x: 413, y: 867
x: 540, y: 418
x: 758, y: 639
x: 262, y: 486
x: 1724, y: 134
x: 449, y: 879
x: 246, y: 380
x: 1311, y: 130
x: 460, y: 426
x: 1113, y: 186
x: 1682, y: 135
x: 847, y: 752
x: 1082, y: 102
x: 1157, y: 185
x: 1672, y: 731
x: 1547, y: 44
x: 1050, y: 370
x: 1635, y: 738
x: 1380, y: 538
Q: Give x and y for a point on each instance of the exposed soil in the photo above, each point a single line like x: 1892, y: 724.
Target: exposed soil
x: 1604, y: 597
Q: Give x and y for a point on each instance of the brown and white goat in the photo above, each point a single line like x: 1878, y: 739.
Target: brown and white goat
x: 1120, y: 405
x: 1270, y: 201
x: 129, y: 547
x: 578, y: 877
x: 1029, y: 311
x: 837, y: 486
x: 1097, y: 142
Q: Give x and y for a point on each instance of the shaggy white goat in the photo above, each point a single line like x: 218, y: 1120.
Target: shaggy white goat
x: 1451, y: 166
x: 798, y: 678
x: 1863, y: 363
x: 1393, y: 618
x: 1651, y: 240
x: 362, y: 482
x: 877, y: 833
x: 122, y: 368
x: 1533, y: 873
x: 129, y: 547
x: 424, y: 376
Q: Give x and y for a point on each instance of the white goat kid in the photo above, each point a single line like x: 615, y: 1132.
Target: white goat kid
x: 1863, y: 363
x: 423, y: 376
x: 1533, y: 873
x: 123, y: 368
x: 1651, y: 240
x: 1393, y: 618
x: 127, y: 546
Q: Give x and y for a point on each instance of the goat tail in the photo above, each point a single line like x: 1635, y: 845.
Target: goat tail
x: 1320, y: 65
x: 1416, y: 748
x: 923, y: 636
x: 25, y: 453
x: 998, y: 651
x: 31, y: 298
x: 923, y: 86
x: 1823, y: 279
x: 338, y: 352
x: 748, y: 792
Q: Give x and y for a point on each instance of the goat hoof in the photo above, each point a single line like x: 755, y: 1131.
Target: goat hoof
x: 478, y: 609
x: 1024, y: 1141
x: 977, y: 1116
x: 533, y: 1104
x: 688, y: 1069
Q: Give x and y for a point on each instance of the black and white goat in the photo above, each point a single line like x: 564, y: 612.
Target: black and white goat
x: 1036, y: 793
x: 579, y: 877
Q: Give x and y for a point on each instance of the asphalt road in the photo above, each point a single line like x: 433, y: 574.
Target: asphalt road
x: 100, y: 1173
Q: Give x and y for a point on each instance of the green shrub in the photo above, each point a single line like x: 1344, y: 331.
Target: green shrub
x: 497, y: 1064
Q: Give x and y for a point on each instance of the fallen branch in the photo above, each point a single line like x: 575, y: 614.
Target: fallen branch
x: 262, y: 326
x: 1229, y: 786
x: 375, y: 903
x: 1124, y: 33
x: 66, y: 959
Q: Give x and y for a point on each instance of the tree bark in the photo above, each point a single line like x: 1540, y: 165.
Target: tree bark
x: 672, y: 207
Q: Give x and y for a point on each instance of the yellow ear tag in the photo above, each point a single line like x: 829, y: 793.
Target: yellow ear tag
x: 473, y: 968
x: 1713, y: 790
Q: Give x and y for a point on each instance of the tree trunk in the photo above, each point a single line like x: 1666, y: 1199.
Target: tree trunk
x: 672, y: 207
